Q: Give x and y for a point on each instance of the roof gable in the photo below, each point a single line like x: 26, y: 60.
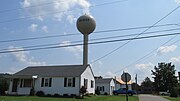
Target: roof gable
x: 51, y: 71
x: 104, y: 80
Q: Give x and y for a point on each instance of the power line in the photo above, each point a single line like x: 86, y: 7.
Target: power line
x: 147, y: 55
x: 50, y: 13
x: 33, y: 6
x: 50, y: 3
x: 103, y: 38
x: 98, y: 32
x: 92, y: 43
x: 114, y: 50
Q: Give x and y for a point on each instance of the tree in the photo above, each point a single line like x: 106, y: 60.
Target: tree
x: 164, y: 77
x: 4, y: 84
x: 147, y: 82
x: 146, y: 86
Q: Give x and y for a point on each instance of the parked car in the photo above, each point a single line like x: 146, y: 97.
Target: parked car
x: 164, y: 93
x: 123, y: 91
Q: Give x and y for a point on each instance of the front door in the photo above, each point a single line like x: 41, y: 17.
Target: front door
x: 15, y: 85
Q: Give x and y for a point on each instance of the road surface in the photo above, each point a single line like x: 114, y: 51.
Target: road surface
x: 144, y: 97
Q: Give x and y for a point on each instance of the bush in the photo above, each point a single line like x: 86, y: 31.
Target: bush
x: 65, y: 95
x: 105, y: 93
x: 73, y: 95
x: 48, y: 95
x: 97, y: 92
x: 56, y: 95
x: 173, y: 93
x: 32, y: 92
x: 40, y: 93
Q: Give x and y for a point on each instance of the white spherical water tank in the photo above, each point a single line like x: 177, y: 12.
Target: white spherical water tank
x: 86, y: 24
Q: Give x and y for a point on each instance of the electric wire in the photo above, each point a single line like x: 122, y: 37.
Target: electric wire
x: 49, y: 3
x: 114, y: 50
x: 92, y: 43
x: 98, y: 32
x: 32, y: 6
x: 148, y: 55
x: 103, y: 38
x: 63, y: 11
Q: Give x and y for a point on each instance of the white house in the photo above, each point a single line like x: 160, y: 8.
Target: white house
x: 66, y: 79
x: 120, y: 84
x: 105, y: 85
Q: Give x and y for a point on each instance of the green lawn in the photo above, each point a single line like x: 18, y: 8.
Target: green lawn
x: 92, y: 98
x: 172, y: 99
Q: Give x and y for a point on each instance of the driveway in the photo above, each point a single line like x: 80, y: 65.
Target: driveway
x: 144, y: 97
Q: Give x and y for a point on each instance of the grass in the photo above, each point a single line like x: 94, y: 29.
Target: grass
x: 91, y: 98
x: 172, y: 98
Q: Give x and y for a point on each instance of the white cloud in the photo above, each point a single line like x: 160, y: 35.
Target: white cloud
x: 175, y: 59
x: 58, y: 7
x: 71, y: 19
x: 109, y: 75
x: 166, y: 49
x: 23, y: 57
x: 33, y: 27
x: 45, y: 29
x: 26, y: 3
x: 144, y: 66
x: 76, y: 50
x: 177, y: 1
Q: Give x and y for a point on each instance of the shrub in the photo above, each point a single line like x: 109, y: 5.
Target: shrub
x: 40, y: 93
x: 82, y: 91
x: 73, y: 95
x: 32, y: 92
x: 173, y: 93
x: 56, y: 95
x: 48, y: 95
x: 65, y: 95
x: 105, y: 93
x: 97, y: 92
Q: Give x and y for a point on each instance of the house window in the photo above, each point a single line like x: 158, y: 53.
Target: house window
x: 46, y: 82
x: 69, y: 82
x: 25, y: 83
x: 92, y: 84
x: 86, y: 83
x: 101, y: 88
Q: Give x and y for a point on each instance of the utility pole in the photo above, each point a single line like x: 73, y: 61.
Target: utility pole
x: 126, y: 87
x: 136, y: 86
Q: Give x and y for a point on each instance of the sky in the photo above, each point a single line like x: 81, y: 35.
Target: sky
x: 23, y: 19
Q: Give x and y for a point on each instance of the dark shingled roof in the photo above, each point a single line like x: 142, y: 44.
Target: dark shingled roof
x: 104, y: 80
x: 52, y: 71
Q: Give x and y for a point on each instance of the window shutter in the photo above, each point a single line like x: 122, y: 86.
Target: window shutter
x: 84, y: 82
x: 74, y: 81
x: 50, y: 82
x: 97, y: 87
x: 103, y: 88
x: 42, y: 82
x: 21, y: 84
x: 65, y: 82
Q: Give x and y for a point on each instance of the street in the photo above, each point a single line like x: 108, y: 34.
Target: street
x: 144, y: 97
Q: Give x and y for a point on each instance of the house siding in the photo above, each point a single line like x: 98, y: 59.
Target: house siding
x: 20, y: 90
x: 57, y: 86
x: 108, y: 87
x: 112, y: 87
x: 87, y: 74
x: 53, y: 83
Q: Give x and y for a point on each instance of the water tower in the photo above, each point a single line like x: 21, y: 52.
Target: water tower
x: 86, y: 25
